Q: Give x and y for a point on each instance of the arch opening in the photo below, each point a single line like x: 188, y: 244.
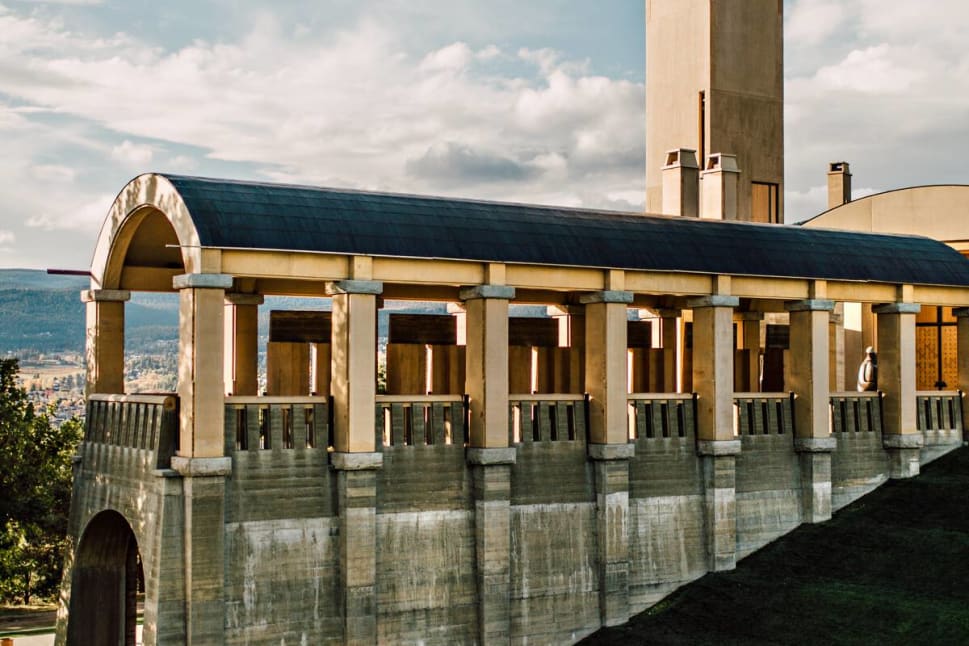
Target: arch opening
x: 105, y: 583
x: 145, y: 254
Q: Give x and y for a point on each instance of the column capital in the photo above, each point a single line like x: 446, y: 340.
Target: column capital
x: 356, y: 461
x: 715, y: 300
x: 609, y: 452
x: 235, y: 298
x: 810, y: 305
x: 961, y: 312
x: 897, y: 308
x: 371, y: 287
x: 105, y: 295
x: 607, y: 296
x: 474, y: 292
x: 202, y: 281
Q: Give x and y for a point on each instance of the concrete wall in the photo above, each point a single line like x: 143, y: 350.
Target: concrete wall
x: 283, y: 529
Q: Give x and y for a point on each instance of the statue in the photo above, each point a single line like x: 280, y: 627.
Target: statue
x: 868, y: 372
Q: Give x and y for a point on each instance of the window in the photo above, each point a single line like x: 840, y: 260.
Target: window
x: 765, y: 203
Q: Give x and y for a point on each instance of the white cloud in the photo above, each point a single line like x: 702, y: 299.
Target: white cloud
x: 881, y: 69
x: 812, y: 21
x: 7, y: 237
x: 132, y: 154
x: 53, y: 173
x: 88, y: 216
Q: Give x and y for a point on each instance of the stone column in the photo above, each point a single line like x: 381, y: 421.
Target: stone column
x: 962, y: 318
x: 713, y: 354
x: 836, y: 349
x: 609, y: 447
x: 571, y: 320
x: 751, y: 341
x: 672, y: 349
x: 356, y: 456
x: 487, y: 362
x: 489, y: 455
x: 105, y: 340
x: 200, y: 460
x: 201, y: 363
x: 605, y: 365
x: 896, y: 380
x: 242, y: 343
x: 810, y: 381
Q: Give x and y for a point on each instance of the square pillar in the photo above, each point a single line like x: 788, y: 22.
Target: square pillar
x: 105, y: 340
x: 491, y: 489
x: 354, y: 364
x: 201, y: 364
x: 896, y: 380
x: 486, y: 357
x: 713, y: 354
x: 836, y: 348
x: 962, y: 318
x: 242, y: 343
x: 751, y: 341
x: 203, y: 490
x: 571, y: 321
x: 357, y: 508
x: 672, y: 343
x: 810, y: 381
x: 611, y: 463
x: 606, y: 365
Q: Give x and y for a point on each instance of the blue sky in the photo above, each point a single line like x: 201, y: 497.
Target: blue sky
x: 536, y: 102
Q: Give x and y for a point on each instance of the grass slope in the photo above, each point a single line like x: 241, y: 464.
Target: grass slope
x: 893, y: 568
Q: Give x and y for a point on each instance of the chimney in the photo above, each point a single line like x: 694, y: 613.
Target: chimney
x: 681, y: 176
x: 719, y: 193
x: 839, y: 184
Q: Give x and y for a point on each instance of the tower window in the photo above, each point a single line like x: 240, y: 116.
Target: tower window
x: 765, y: 203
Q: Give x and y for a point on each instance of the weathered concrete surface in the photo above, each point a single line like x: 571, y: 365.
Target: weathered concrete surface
x: 123, y: 479
x: 859, y: 465
x: 768, y: 491
x: 938, y: 443
x: 667, y: 542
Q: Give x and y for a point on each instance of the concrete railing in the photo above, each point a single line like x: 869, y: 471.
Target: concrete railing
x: 264, y: 423
x: 763, y: 414
x: 659, y: 415
x: 939, y: 410
x: 148, y: 422
x: 416, y: 420
x: 854, y: 412
x: 547, y: 418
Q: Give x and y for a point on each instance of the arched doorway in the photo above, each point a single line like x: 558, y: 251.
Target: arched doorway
x: 104, y: 589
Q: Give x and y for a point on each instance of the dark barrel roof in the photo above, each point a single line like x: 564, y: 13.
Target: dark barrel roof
x: 235, y: 214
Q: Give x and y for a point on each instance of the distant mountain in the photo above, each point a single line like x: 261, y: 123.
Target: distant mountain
x: 44, y: 313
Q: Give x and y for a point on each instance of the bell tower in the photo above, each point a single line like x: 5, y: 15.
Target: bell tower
x: 715, y: 84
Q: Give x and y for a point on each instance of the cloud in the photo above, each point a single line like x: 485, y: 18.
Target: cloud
x: 53, y: 173
x: 87, y: 216
x: 7, y: 237
x: 132, y: 154
x: 811, y: 22
x: 461, y: 164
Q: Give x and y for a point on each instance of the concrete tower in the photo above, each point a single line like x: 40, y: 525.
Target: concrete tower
x: 715, y: 83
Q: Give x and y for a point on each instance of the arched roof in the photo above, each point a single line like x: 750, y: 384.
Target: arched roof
x: 251, y: 215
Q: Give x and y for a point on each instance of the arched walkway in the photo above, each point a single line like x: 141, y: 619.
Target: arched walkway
x: 105, y: 584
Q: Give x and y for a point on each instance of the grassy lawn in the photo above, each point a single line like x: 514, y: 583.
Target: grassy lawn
x: 893, y: 568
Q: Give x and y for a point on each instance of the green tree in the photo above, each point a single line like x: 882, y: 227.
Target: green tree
x: 35, y: 481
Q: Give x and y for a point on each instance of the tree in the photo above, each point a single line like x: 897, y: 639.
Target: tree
x: 35, y: 481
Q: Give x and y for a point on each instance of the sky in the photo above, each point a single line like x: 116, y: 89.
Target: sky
x: 540, y: 101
